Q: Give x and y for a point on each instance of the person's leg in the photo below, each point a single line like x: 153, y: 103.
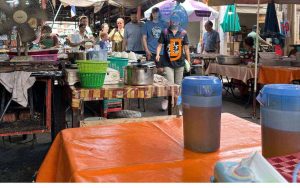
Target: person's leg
x: 169, y: 74
x: 178, y: 76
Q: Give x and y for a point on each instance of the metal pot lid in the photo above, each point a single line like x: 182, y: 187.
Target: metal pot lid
x: 146, y: 64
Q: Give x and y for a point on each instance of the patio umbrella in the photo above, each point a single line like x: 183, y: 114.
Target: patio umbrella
x: 231, y: 21
x: 258, y: 2
x: 271, y: 21
x: 195, y: 10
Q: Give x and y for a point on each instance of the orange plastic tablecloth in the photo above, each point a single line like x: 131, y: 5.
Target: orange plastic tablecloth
x: 278, y: 74
x: 142, y: 152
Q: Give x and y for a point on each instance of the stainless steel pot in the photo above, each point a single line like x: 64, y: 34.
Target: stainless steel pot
x: 228, y: 60
x: 77, y: 55
x: 138, y: 75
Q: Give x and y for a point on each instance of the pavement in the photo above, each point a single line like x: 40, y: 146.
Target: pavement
x: 20, y: 159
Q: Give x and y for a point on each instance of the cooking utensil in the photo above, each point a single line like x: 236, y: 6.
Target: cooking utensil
x: 228, y: 60
x: 139, y: 74
x: 295, y: 63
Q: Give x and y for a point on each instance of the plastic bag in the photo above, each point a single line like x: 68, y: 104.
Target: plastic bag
x: 187, y: 66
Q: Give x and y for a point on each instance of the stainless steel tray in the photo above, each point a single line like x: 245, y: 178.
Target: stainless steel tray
x: 228, y: 60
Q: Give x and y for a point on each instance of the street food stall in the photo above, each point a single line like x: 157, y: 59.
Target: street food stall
x: 31, y: 77
x: 39, y: 114
x: 203, y: 145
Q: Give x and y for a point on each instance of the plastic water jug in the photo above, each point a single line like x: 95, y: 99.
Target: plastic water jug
x: 202, y: 105
x: 280, y: 119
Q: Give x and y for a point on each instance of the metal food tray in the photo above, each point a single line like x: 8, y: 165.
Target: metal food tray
x: 228, y: 60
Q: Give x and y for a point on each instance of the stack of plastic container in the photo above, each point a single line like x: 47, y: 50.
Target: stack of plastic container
x: 111, y: 105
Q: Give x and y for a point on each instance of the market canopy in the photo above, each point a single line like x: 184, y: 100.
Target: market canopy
x: 227, y: 2
x: 88, y: 3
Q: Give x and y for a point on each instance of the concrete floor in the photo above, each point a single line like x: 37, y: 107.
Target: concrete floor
x: 19, y: 160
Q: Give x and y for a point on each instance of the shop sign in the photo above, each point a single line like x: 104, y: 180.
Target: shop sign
x: 285, y: 28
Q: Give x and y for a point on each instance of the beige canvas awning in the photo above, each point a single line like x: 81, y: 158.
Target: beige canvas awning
x: 250, y: 9
x: 88, y: 3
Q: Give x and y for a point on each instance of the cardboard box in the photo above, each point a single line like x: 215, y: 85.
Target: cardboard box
x: 235, y: 45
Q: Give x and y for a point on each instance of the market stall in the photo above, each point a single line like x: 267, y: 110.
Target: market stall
x: 19, y: 116
x: 77, y: 96
x: 30, y: 77
x: 278, y: 74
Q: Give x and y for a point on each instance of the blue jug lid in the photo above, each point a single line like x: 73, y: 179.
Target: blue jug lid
x: 202, y: 86
x: 290, y: 90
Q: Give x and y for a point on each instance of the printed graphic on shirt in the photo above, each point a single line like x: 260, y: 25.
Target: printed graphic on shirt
x: 156, y: 31
x: 175, y: 49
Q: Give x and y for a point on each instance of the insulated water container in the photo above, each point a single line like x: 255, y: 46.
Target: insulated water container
x: 202, y: 105
x: 280, y: 119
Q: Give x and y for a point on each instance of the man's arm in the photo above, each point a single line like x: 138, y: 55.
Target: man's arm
x: 218, y: 47
x: 144, y: 40
x: 218, y: 43
x: 70, y: 43
x: 159, y: 66
x: 158, y: 50
x: 187, y: 53
x: 202, y: 44
x: 202, y: 47
x: 261, y: 40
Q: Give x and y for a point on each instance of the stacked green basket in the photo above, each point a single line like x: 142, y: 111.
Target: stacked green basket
x: 92, y: 73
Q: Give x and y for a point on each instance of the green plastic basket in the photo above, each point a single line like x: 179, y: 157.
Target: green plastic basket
x: 92, y: 66
x: 92, y: 80
x: 118, y: 64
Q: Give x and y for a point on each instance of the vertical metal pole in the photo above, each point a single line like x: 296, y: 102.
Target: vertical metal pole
x: 56, y: 14
x: 256, y: 60
x: 5, y: 109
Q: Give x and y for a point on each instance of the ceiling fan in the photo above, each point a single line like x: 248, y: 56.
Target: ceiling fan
x: 22, y: 16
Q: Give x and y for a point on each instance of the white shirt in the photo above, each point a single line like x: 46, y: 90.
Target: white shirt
x: 76, y: 38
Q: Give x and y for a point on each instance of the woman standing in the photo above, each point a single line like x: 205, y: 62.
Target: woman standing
x: 175, y: 42
x: 117, y: 35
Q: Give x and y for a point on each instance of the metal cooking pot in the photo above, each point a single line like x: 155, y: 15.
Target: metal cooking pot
x: 139, y: 74
x: 73, y: 56
x: 228, y: 60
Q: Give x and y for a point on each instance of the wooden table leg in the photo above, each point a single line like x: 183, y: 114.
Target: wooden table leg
x: 58, y: 110
x: 75, y: 117
x: 169, y: 105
